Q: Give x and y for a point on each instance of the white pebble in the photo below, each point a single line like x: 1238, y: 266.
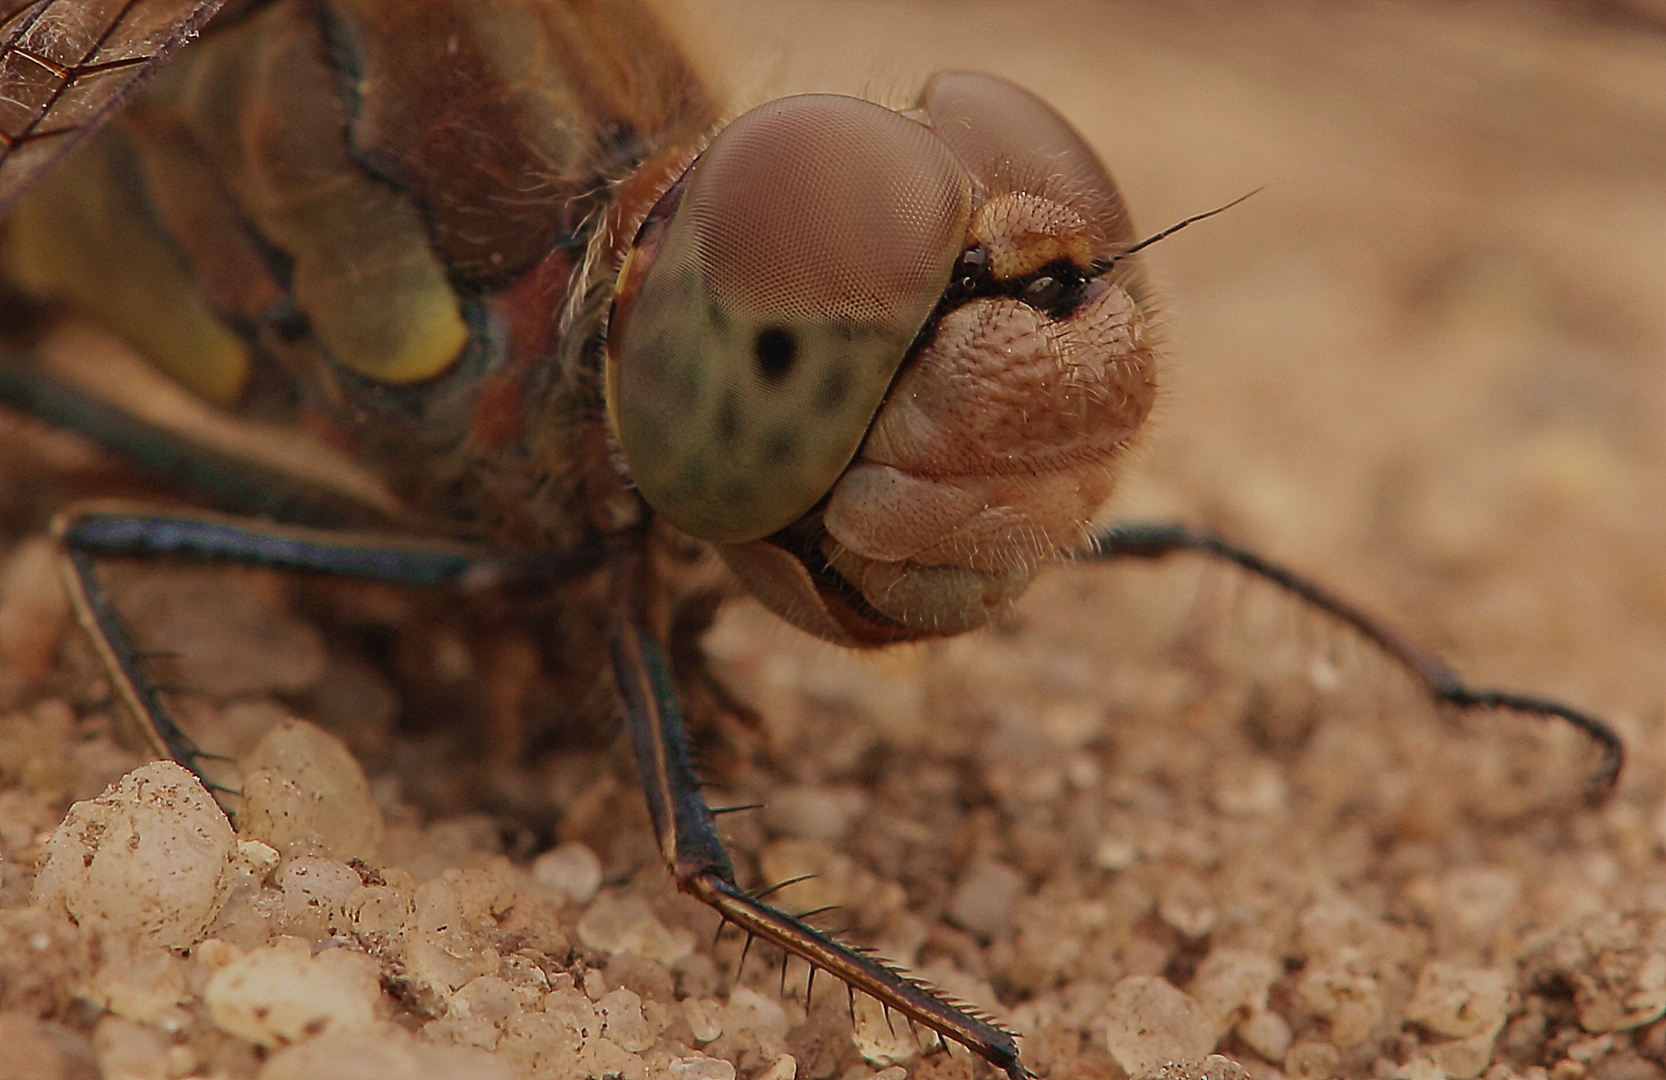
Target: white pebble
x: 623, y: 1022
x: 705, y: 1018
x: 388, y: 1054
x: 879, y: 1038
x: 1459, y: 1001
x: 784, y: 1067
x: 982, y: 902
x: 302, y: 783
x: 129, y: 1051
x: 627, y: 924
x: 1233, y: 983
x: 1267, y: 1033
x: 572, y: 868
x: 701, y: 1068
x: 281, y: 992
x: 1149, y: 1022
x: 151, y: 856
x: 1185, y: 904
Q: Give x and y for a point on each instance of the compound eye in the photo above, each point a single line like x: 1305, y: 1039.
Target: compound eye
x: 1013, y: 142
x: 752, y: 345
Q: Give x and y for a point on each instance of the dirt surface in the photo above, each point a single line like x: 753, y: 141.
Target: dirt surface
x: 1155, y: 812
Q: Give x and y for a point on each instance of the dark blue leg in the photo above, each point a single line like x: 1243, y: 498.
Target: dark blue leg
x: 1140, y: 540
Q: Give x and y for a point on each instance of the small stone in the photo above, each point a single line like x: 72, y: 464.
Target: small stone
x: 1267, y: 1033
x: 1185, y: 904
x: 1477, y: 900
x: 452, y: 928
x: 302, y: 783
x: 705, y: 1018
x: 380, y: 910
x: 572, y: 868
x: 281, y: 992
x: 700, y: 1068
x: 1312, y: 1061
x: 1463, y: 1059
x: 1460, y: 1001
x: 982, y: 902
x: 487, y: 998
x: 762, y: 1017
x: 137, y: 979
x: 258, y: 859
x: 1419, y: 1068
x: 388, y: 1053
x: 784, y: 1067
x: 623, y: 1022
x: 1213, y: 1067
x: 626, y: 924
x: 1349, y: 999
x: 1115, y: 851
x: 814, y: 813
x: 880, y: 1039
x: 41, y: 1050
x: 1250, y: 789
x: 1149, y: 1022
x: 151, y: 856
x: 603, y: 1057
x: 1233, y: 983
x: 130, y: 1051
x: 316, y: 891
x: 1072, y: 725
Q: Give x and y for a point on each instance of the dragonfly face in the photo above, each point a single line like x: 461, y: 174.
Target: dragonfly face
x: 887, y: 362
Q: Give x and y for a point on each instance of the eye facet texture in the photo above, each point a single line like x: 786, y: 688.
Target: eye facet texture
x: 812, y: 241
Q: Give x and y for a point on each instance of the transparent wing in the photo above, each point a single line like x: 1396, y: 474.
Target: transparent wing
x: 67, y: 65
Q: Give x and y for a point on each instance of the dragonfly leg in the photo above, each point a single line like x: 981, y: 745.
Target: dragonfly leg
x: 92, y: 532
x: 726, y: 732
x: 227, y: 480
x: 687, y: 832
x: 1154, y: 541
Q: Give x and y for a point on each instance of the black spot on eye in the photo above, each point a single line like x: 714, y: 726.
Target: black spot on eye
x: 729, y: 418
x: 780, y: 448
x: 834, y: 389
x: 776, y: 351
x: 718, y: 318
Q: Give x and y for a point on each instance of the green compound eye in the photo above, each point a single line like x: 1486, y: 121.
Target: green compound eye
x: 812, y: 240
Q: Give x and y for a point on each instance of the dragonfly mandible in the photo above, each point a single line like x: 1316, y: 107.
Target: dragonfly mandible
x: 885, y: 362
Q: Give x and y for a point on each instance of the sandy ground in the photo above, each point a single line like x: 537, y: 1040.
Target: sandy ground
x: 1156, y: 812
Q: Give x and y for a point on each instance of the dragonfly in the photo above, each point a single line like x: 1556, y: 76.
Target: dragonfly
x: 508, y: 256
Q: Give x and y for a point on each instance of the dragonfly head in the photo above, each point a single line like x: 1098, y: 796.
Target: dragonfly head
x: 887, y: 362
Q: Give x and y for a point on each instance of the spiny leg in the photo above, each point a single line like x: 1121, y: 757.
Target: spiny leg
x: 88, y: 533
x: 1154, y: 541
x: 688, y: 837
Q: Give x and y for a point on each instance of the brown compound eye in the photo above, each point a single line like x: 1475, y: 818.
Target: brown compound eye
x: 753, y: 344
